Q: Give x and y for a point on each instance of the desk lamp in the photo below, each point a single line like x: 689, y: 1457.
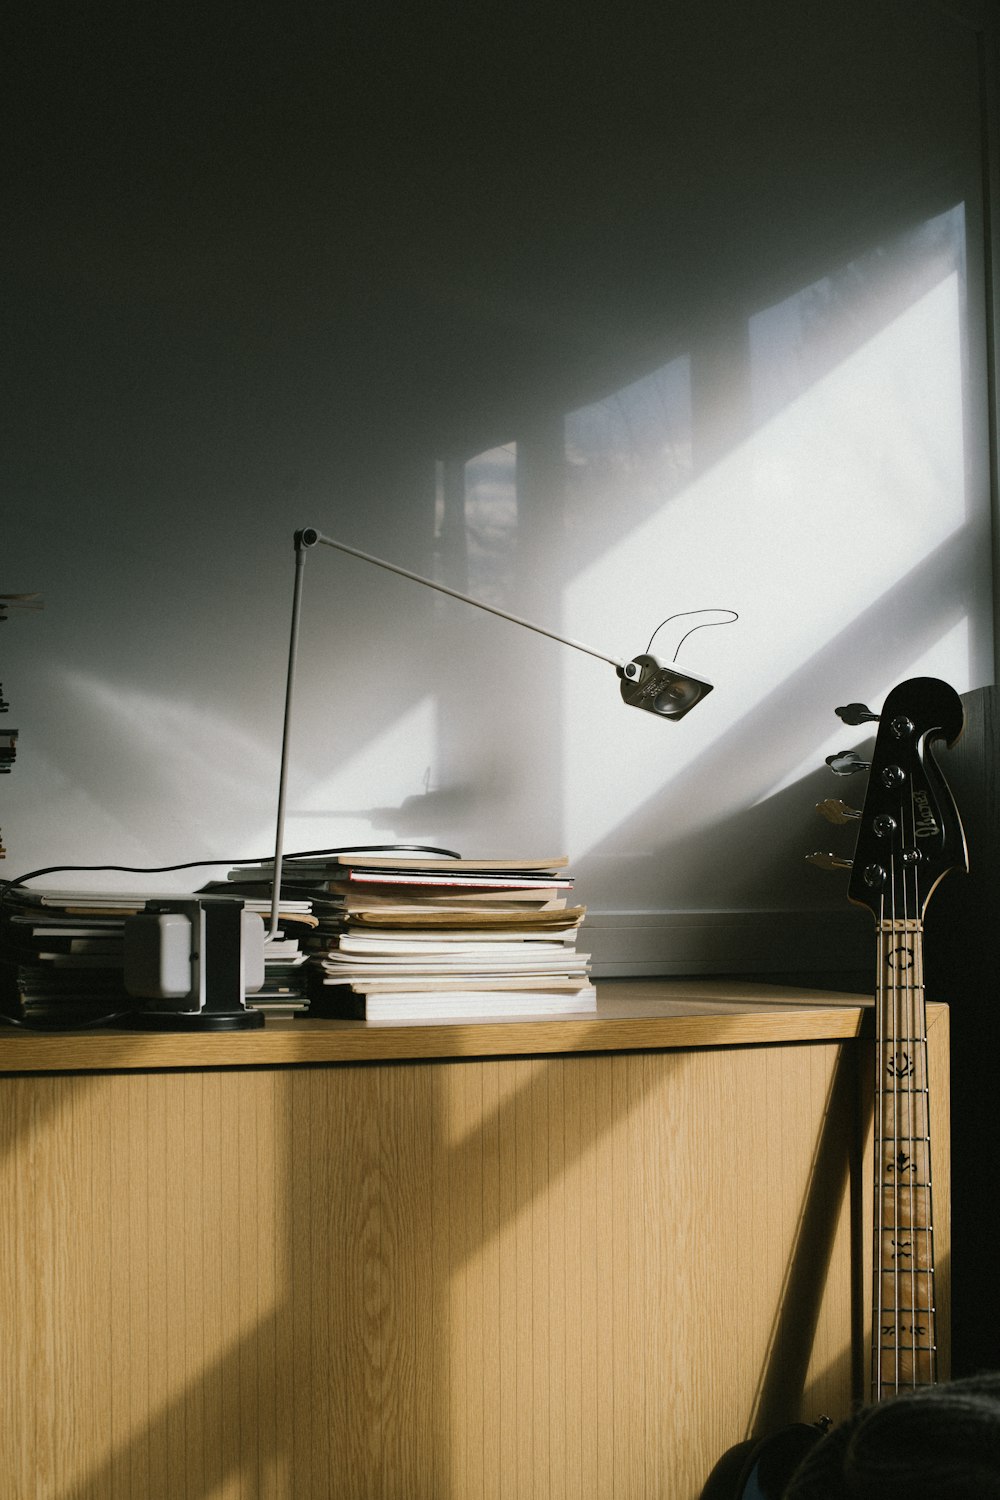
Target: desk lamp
x: 645, y: 683
x: 197, y: 959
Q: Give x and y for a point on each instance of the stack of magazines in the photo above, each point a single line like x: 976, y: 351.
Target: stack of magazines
x: 423, y: 938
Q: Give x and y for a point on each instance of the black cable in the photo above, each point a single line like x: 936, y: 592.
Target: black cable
x: 90, y: 1024
x: 194, y: 864
x: 711, y: 609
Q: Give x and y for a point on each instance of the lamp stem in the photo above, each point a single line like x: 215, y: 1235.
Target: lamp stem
x: 293, y: 648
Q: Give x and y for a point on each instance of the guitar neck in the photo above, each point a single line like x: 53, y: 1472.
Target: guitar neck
x: 904, y: 1342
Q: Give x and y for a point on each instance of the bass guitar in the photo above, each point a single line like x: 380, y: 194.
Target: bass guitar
x: 909, y: 837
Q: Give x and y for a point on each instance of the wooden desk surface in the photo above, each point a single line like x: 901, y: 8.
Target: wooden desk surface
x: 632, y: 1015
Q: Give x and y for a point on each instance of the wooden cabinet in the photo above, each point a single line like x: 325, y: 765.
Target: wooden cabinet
x: 532, y: 1259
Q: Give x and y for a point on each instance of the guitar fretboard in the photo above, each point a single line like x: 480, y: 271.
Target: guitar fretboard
x: 904, y: 1349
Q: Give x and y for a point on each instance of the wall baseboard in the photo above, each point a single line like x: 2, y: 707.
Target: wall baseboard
x: 820, y: 943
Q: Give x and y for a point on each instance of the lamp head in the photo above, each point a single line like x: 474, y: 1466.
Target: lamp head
x: 666, y: 691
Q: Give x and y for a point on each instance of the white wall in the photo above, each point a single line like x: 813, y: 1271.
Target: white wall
x: 702, y: 328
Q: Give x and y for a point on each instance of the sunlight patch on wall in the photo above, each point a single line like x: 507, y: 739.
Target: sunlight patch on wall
x: 181, y: 754
x: 359, y: 798
x: 79, y: 826
x: 638, y: 438
x: 475, y: 522
x: 937, y: 661
x: 185, y: 742
x: 491, y: 520
x: 824, y: 508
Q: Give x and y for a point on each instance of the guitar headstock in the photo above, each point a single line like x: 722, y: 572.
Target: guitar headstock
x: 909, y: 831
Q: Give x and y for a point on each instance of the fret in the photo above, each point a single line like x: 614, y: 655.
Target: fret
x: 903, y: 1369
x: 906, y: 1207
x: 905, y: 1244
x: 900, y: 975
x: 902, y: 1022
x: 901, y: 928
x: 905, y: 1115
x: 913, y: 1289
x: 897, y: 991
x: 911, y: 1204
x: 911, y: 1285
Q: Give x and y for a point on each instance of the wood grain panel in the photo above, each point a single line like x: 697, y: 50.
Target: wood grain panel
x: 521, y: 1277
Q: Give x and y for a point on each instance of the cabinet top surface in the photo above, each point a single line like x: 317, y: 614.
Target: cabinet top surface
x: 632, y: 1015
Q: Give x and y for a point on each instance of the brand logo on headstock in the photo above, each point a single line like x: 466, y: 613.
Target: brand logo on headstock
x: 925, y: 824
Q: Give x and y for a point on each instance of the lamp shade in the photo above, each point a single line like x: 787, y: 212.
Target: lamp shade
x: 666, y: 691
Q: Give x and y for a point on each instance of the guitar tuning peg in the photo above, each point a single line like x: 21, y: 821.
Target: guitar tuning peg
x: 856, y: 713
x: 829, y: 861
x: 846, y: 763
x: 836, y: 811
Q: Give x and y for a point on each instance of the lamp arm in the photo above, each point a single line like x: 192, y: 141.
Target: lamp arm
x: 309, y: 537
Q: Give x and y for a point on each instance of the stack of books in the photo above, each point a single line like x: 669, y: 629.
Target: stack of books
x: 61, y: 956
x: 413, y: 937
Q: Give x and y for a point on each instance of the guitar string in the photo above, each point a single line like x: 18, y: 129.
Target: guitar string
x: 887, y: 1184
x: 907, y: 1073
x: 913, y: 1154
x: 897, y: 962
x: 878, y: 1249
x: 924, y: 1278
x: 904, y: 1251
x: 896, y: 975
x: 921, y: 1130
x: 926, y: 1174
x: 878, y: 1259
x: 922, y: 1354
x: 931, y: 1276
x: 902, y: 1101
